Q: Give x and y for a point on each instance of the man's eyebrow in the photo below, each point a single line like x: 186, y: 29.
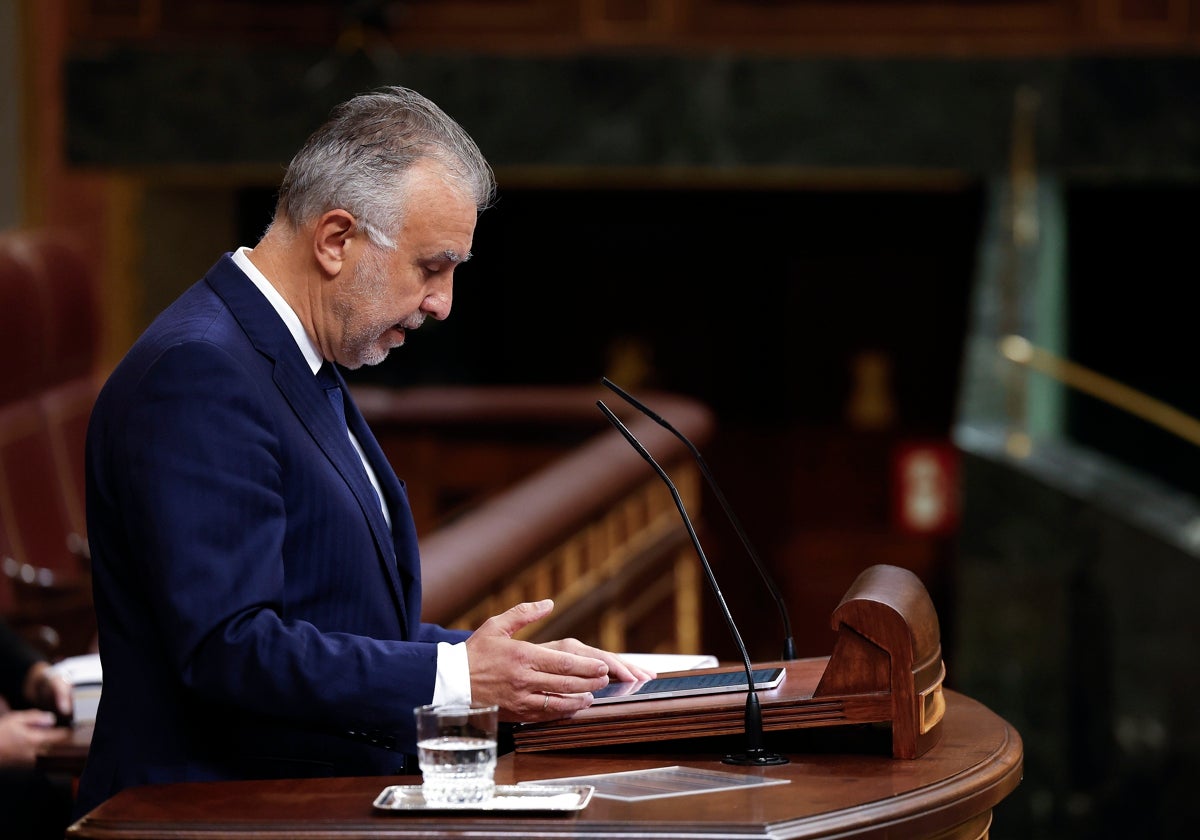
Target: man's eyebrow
x: 450, y: 255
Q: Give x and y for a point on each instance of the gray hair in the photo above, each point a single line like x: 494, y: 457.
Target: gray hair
x: 358, y: 159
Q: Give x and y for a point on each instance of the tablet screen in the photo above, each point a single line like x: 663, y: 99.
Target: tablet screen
x: 687, y: 685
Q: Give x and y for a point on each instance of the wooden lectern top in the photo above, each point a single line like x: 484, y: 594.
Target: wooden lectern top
x: 886, y: 668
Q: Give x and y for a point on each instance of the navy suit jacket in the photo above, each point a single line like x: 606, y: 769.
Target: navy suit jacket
x: 257, y: 617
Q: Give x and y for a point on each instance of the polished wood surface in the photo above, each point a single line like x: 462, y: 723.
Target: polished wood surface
x: 69, y: 755
x: 886, y: 668
x: 949, y: 792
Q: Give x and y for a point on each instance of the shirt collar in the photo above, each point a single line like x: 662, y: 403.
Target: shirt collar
x: 290, y: 319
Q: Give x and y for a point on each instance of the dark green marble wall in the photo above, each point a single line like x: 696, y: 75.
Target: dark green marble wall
x: 1075, y: 618
x: 1126, y: 117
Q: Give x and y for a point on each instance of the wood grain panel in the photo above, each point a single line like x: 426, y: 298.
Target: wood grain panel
x: 794, y: 27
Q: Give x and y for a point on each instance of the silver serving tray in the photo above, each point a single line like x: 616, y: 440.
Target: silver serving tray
x: 506, y: 798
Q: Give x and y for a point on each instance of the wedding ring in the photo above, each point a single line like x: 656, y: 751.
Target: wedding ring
x: 545, y: 701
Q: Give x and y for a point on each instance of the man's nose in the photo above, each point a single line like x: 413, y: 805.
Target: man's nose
x: 438, y: 302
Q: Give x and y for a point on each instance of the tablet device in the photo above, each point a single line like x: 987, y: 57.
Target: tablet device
x: 687, y: 685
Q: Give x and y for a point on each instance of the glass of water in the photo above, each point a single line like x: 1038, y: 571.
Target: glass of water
x: 456, y: 749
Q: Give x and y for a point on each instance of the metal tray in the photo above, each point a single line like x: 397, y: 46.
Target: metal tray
x: 507, y: 798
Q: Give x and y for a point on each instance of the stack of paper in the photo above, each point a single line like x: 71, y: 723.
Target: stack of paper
x: 663, y: 663
x: 86, y: 678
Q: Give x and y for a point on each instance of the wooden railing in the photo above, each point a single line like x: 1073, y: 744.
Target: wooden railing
x: 554, y: 505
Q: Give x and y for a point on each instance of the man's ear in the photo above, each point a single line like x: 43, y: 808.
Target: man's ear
x: 332, y: 238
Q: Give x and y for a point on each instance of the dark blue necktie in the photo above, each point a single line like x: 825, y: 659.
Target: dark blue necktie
x: 327, y: 379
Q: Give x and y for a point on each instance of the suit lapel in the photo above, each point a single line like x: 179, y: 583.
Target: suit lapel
x: 331, y: 435
x: 403, y: 528
x: 403, y: 535
x: 299, y: 386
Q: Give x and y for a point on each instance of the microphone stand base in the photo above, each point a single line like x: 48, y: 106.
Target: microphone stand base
x: 755, y: 758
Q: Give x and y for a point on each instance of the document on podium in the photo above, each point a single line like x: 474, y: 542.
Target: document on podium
x: 662, y: 663
x: 658, y: 782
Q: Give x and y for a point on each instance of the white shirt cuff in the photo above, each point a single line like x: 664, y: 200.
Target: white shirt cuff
x: 453, y: 681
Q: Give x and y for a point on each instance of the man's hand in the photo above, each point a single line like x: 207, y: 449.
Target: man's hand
x: 537, y: 682
x: 23, y: 733
x: 46, y: 689
x: 618, y: 669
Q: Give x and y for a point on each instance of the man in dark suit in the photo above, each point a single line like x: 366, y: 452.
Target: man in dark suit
x: 256, y: 574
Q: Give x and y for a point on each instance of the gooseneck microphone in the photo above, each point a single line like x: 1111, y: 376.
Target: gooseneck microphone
x: 755, y: 754
x: 789, y: 646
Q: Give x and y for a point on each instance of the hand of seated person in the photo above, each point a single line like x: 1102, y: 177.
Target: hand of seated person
x: 46, y: 689
x: 531, y: 682
x: 23, y: 733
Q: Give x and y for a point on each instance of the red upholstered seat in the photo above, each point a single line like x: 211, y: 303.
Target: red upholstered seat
x: 50, y: 326
x: 22, y: 324
x: 66, y: 287
x: 65, y: 410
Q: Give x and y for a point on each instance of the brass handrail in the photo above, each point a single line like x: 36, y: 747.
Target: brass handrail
x: 1021, y: 351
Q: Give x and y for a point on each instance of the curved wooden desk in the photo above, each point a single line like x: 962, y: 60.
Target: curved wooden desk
x: 949, y: 792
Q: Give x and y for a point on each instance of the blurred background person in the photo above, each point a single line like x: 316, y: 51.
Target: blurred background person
x: 35, y: 698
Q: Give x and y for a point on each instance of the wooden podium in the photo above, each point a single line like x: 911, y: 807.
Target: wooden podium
x: 946, y: 794
x: 886, y: 668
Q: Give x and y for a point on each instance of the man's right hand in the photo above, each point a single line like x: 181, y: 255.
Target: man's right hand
x: 529, y: 682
